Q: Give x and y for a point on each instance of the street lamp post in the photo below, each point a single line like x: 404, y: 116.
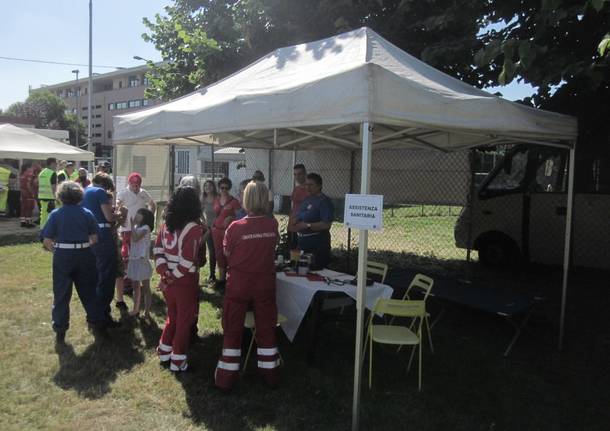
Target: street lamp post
x: 90, y: 86
x: 77, y: 97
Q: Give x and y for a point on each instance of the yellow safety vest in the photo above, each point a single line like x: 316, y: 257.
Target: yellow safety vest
x: 72, y: 177
x: 45, y: 188
x: 4, y: 176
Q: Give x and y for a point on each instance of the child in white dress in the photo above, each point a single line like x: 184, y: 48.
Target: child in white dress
x: 139, y: 269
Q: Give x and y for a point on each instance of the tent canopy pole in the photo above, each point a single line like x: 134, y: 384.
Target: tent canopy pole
x: 567, y: 244
x: 365, y: 186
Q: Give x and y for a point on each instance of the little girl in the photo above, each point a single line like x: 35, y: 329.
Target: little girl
x: 139, y: 269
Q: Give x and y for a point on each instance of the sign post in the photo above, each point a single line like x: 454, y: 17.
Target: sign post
x: 363, y: 212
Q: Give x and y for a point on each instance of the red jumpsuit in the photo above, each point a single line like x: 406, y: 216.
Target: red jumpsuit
x: 176, y: 257
x: 28, y: 194
x: 250, y: 248
x: 218, y: 228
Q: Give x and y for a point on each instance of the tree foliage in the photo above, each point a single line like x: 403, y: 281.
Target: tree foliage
x: 48, y: 111
x: 560, y: 47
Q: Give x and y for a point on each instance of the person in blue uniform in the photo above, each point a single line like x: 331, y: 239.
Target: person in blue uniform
x: 313, y: 222
x: 69, y: 233
x: 98, y: 200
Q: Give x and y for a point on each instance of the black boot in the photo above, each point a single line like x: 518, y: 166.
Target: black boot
x: 60, y: 338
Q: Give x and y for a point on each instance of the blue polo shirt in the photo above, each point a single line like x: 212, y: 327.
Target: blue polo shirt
x: 316, y: 208
x: 70, y: 224
x: 93, y: 199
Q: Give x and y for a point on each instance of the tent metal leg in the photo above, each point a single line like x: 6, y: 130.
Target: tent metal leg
x: 567, y: 246
x: 518, y: 329
x: 367, y: 152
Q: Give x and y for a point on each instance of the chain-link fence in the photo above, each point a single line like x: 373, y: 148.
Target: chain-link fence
x: 424, y: 193
x: 506, y: 202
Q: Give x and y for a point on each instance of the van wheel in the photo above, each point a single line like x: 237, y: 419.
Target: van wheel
x: 498, y: 251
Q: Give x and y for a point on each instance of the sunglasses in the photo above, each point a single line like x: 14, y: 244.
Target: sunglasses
x: 225, y: 188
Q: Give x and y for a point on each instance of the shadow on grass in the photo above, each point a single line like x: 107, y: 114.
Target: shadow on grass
x: 92, y: 372
x: 308, y: 398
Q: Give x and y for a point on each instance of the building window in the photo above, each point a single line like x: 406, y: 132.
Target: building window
x: 218, y: 168
x: 139, y: 165
x: 78, y: 92
x: 111, y: 106
x: 84, y: 108
x: 133, y: 81
x: 135, y: 103
x: 84, y: 117
x: 98, y: 106
x: 145, y: 81
x: 145, y: 102
x: 97, y: 135
x: 121, y: 105
x: 109, y: 134
x: 86, y: 90
x: 120, y: 84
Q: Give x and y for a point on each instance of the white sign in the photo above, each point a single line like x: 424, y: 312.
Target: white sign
x: 363, y: 212
x: 121, y: 183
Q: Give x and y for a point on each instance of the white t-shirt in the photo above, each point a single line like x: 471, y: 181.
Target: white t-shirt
x: 140, y: 248
x: 133, y: 202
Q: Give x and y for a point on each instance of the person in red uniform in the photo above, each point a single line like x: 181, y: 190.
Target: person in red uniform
x: 177, y: 251
x: 249, y: 246
x: 225, y: 207
x: 299, y: 194
x: 28, y: 195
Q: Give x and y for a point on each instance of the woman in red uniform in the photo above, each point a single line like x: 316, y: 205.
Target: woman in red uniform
x: 225, y: 207
x: 249, y: 246
x: 176, y: 255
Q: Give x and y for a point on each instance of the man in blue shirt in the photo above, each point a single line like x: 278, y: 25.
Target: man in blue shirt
x: 69, y: 233
x: 98, y: 200
x: 313, y: 222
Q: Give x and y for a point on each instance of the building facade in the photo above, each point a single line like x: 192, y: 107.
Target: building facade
x: 114, y: 93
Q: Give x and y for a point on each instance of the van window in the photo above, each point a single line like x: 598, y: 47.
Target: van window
x: 550, y: 174
x: 511, y: 173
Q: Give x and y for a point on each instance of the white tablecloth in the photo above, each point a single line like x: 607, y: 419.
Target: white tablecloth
x: 294, y: 294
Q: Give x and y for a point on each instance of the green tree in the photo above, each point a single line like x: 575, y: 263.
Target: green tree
x: 43, y: 107
x: 50, y: 112
x: 560, y: 47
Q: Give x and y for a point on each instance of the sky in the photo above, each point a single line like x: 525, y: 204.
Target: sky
x: 57, y: 30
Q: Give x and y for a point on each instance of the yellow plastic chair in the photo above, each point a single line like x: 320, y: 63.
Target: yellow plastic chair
x: 249, y: 323
x: 394, y: 334
x: 424, y: 284
x: 377, y: 268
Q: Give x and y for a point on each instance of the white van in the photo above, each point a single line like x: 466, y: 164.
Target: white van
x: 519, y: 213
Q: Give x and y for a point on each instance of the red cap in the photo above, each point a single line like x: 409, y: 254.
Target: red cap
x: 135, y: 178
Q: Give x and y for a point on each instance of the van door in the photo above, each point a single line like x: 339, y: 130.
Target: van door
x: 547, y: 205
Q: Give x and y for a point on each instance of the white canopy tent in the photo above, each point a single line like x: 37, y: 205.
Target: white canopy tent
x: 355, y: 91
x: 18, y: 143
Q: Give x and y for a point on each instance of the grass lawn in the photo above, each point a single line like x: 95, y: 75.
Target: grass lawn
x: 467, y: 384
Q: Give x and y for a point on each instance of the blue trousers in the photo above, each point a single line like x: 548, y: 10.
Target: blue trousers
x: 78, y: 267
x: 319, y: 246
x: 105, y: 252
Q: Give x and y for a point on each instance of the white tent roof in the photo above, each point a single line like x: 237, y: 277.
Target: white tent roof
x: 341, y: 81
x: 18, y: 143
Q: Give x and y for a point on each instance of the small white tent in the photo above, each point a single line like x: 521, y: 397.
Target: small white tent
x: 18, y: 143
x: 354, y: 91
